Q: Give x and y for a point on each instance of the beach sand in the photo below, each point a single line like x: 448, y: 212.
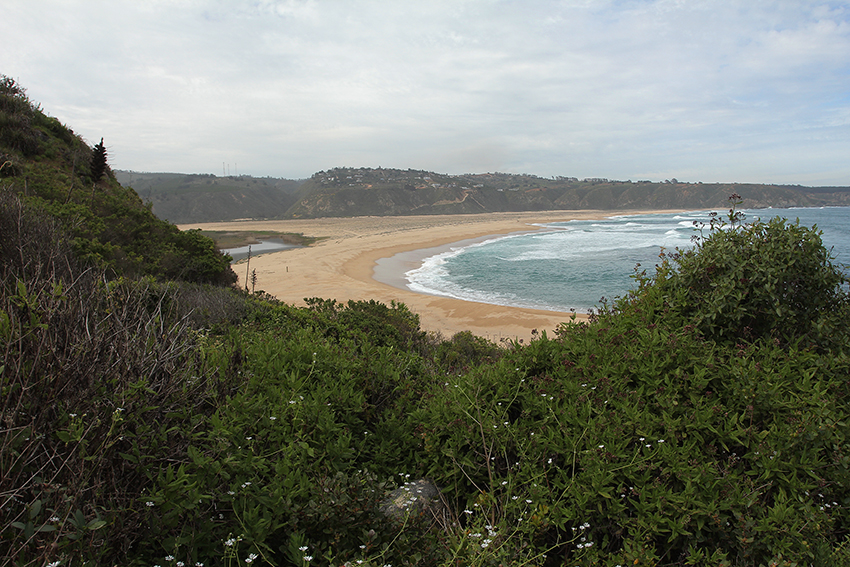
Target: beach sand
x: 342, y: 266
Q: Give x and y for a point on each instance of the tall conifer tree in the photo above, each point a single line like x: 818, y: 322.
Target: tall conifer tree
x: 98, y: 161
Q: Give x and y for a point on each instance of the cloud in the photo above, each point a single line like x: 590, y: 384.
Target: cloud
x: 616, y: 89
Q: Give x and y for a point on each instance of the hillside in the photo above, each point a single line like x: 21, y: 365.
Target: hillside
x: 57, y: 175
x: 186, y: 198
x: 352, y: 192
x: 347, y: 192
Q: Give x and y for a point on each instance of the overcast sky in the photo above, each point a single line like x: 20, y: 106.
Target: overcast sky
x: 699, y: 90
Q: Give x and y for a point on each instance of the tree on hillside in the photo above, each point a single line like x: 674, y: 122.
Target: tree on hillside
x: 98, y: 161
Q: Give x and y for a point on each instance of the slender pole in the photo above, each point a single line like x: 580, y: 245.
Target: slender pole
x: 248, y: 268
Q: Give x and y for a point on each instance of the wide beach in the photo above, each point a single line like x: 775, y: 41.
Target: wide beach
x: 342, y: 265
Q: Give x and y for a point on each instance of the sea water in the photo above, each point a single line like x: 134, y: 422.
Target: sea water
x: 573, y: 265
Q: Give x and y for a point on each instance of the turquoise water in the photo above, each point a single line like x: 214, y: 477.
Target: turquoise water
x: 572, y: 265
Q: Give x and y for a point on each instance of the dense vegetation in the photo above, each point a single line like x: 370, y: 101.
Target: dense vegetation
x: 187, y: 198
x: 52, y: 169
x: 345, y: 192
x: 150, y: 422
x: 700, y: 420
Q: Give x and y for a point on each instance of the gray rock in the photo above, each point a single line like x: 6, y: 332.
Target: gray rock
x: 417, y: 500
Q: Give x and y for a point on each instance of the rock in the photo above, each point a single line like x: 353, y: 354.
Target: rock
x: 417, y: 500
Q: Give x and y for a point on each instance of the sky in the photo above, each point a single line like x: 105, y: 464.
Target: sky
x: 697, y: 90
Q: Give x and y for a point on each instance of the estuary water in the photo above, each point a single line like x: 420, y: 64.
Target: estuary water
x: 572, y: 265
x: 263, y: 247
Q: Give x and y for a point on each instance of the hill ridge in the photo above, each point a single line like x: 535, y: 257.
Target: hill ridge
x: 349, y: 192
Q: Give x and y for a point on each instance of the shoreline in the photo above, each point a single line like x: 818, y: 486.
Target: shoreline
x: 355, y: 261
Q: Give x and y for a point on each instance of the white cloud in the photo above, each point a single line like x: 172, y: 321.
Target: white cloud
x: 617, y: 89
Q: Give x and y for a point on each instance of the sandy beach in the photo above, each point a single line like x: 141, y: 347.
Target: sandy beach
x: 342, y: 265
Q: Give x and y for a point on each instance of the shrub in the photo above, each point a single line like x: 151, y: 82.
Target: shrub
x: 465, y: 351
x: 100, y: 387
x: 771, y: 280
x: 661, y: 433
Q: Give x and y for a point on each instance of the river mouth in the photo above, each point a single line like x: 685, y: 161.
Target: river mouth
x: 263, y: 247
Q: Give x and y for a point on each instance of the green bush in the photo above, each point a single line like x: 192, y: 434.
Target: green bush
x: 771, y: 280
x: 150, y: 423
x: 465, y: 351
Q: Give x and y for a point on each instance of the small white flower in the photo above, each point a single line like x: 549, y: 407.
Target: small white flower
x: 272, y: 418
x: 661, y: 440
x: 149, y: 504
x: 302, y: 548
x: 308, y: 558
x: 528, y: 500
x: 180, y: 564
x: 169, y: 558
x: 54, y: 519
x: 250, y: 558
x: 467, y: 511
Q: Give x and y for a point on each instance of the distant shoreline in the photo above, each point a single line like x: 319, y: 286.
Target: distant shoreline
x: 342, y: 265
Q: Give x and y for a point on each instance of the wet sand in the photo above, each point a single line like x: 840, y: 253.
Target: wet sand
x: 356, y: 259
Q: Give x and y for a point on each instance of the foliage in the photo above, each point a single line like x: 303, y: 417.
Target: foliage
x: 47, y: 166
x: 148, y: 422
x: 100, y: 388
x: 98, y: 161
x: 465, y: 351
x: 742, y: 283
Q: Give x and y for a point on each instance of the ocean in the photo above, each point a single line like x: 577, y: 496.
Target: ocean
x: 572, y: 265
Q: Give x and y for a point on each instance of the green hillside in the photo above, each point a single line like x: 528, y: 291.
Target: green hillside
x: 353, y: 192
x: 182, y: 198
x: 49, y: 168
x: 347, y: 192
